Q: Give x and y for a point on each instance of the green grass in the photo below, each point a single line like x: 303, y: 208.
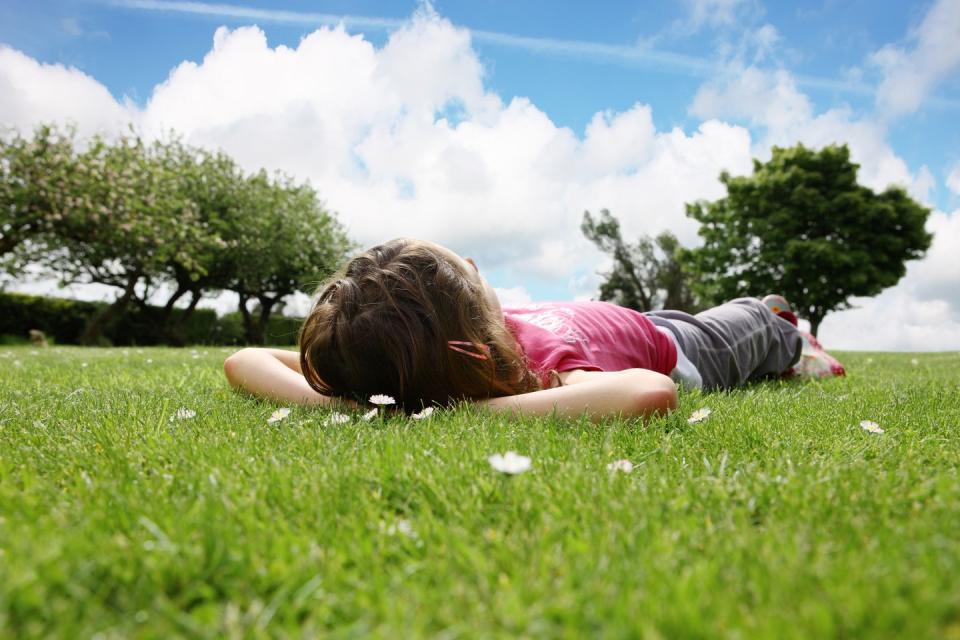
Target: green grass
x: 776, y: 517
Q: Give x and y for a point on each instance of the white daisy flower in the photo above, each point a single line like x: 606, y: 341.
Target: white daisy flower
x: 406, y: 528
x: 426, y: 413
x: 510, y: 462
x: 620, y: 465
x: 914, y: 361
x: 699, y: 415
x: 380, y: 399
x: 871, y: 426
x: 401, y: 526
x: 336, y: 418
x: 183, y: 414
x: 149, y: 360
x: 278, y: 415
x: 84, y: 365
x: 369, y: 415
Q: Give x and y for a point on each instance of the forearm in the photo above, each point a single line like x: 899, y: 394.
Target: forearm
x: 599, y: 395
x: 272, y: 374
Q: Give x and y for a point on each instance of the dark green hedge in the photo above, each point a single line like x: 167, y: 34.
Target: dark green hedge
x: 63, y: 321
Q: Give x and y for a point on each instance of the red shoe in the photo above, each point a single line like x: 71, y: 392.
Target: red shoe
x: 814, y: 361
x: 780, y: 306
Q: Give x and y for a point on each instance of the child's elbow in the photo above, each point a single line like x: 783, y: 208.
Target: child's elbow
x: 232, y: 366
x: 656, y: 396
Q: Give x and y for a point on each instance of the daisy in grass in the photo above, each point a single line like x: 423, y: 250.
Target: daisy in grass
x: 402, y: 526
x: 510, y: 463
x: 699, y: 415
x: 423, y: 415
x: 278, y: 415
x: 369, y: 415
x: 183, y: 414
x: 336, y: 419
x: 871, y: 426
x: 624, y: 466
x: 382, y: 400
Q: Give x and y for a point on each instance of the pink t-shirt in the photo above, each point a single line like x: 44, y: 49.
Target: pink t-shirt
x: 596, y: 336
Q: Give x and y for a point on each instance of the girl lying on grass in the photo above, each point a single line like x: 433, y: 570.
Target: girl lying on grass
x: 414, y: 320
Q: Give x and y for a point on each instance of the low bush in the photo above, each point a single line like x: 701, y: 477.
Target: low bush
x: 63, y: 321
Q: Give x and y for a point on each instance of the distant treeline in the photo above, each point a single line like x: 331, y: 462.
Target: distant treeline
x: 64, y: 321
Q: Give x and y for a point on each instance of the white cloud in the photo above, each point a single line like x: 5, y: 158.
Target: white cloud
x: 31, y: 92
x: 911, y: 72
x: 712, y: 13
x: 923, y: 183
x: 770, y: 101
x: 405, y: 139
x: 953, y: 179
x: 921, y: 313
x: 513, y: 296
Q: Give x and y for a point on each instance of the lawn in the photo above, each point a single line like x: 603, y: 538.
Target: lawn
x: 778, y: 516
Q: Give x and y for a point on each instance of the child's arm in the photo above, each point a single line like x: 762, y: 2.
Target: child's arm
x: 599, y: 394
x: 273, y: 374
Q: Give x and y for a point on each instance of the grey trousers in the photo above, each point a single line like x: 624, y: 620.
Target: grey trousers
x: 734, y: 342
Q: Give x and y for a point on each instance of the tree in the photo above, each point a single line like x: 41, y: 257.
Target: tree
x: 646, y: 275
x: 34, y: 177
x: 285, y: 242
x: 802, y: 226
x: 215, y: 185
x: 161, y: 216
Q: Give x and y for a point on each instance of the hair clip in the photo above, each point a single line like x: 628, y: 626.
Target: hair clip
x: 484, y: 349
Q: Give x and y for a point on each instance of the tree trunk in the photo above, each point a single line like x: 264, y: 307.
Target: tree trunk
x: 91, y: 334
x: 168, y: 307
x: 174, y: 330
x: 8, y: 244
x: 620, y: 255
x: 167, y: 328
x: 266, y: 307
x: 249, y: 330
x: 815, y: 321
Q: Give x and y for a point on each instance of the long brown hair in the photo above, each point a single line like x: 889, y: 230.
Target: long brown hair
x: 384, y: 323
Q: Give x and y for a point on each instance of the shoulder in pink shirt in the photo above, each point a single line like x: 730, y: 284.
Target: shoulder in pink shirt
x: 597, y: 336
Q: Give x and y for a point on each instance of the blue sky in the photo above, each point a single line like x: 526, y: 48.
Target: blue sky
x: 491, y: 126
x: 824, y: 43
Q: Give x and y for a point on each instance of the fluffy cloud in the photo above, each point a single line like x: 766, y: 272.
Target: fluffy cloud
x: 911, y: 72
x: 921, y: 313
x: 770, y: 101
x: 31, y: 92
x: 405, y: 139
x: 712, y: 13
x: 953, y: 180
